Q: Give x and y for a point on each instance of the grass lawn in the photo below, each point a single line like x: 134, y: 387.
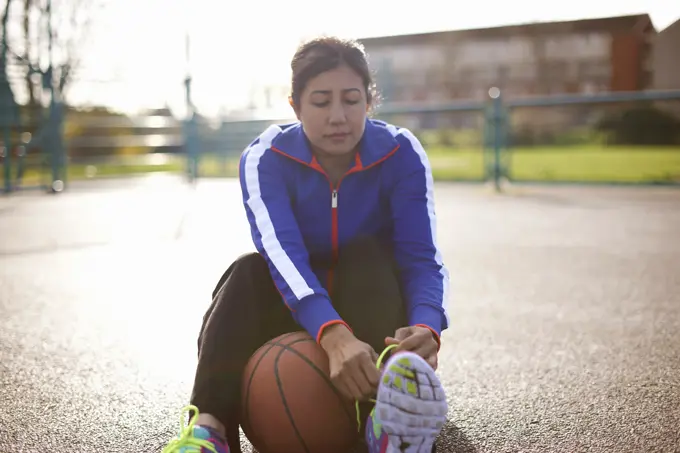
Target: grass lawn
x: 586, y: 164
x: 34, y: 175
x: 619, y: 164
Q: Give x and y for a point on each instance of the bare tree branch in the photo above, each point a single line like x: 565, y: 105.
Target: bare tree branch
x: 70, y: 22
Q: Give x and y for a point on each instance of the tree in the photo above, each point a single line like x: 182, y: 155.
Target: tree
x: 641, y: 125
x: 40, y: 53
x: 8, y: 107
x: 44, y: 48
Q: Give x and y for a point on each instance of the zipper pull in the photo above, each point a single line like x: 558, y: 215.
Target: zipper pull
x: 334, y: 199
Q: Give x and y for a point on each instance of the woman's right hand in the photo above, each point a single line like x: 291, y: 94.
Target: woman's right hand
x: 351, y: 362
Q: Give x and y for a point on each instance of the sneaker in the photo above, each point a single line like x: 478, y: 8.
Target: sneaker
x: 195, y: 438
x: 410, y: 409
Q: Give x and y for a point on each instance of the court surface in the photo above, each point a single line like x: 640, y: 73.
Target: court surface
x: 565, y: 301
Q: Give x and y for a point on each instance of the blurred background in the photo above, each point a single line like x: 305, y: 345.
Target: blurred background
x: 577, y: 92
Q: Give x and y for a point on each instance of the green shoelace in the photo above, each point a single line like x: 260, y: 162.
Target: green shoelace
x: 378, y: 364
x: 186, y: 438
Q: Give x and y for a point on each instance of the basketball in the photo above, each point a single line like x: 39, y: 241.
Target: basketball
x: 288, y: 402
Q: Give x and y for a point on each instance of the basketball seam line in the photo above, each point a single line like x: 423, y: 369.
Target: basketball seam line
x: 246, y: 415
x: 284, y: 402
x: 324, y: 377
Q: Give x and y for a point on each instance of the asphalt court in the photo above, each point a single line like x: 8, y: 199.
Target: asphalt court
x: 565, y: 304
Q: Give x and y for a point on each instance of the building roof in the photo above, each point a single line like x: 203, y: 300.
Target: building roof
x: 671, y: 26
x: 641, y: 22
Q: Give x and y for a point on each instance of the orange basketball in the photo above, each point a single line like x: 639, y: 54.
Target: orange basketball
x: 289, y: 404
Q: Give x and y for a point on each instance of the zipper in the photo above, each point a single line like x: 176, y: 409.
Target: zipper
x: 334, y: 234
x: 334, y: 205
x: 334, y: 221
x: 334, y: 213
x: 335, y: 240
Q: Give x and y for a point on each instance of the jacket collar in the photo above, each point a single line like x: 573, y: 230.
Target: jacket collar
x: 376, y: 143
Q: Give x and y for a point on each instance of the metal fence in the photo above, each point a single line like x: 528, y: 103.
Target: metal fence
x: 606, y: 138
x: 61, y: 144
x: 219, y: 147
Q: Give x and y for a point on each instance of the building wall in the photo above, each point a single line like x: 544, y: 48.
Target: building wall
x: 524, y: 61
x: 666, y: 65
x: 666, y: 58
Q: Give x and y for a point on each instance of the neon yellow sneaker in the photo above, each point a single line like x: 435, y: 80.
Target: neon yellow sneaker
x: 410, y: 409
x: 195, y: 438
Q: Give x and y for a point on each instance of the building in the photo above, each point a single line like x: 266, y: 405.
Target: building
x: 666, y: 64
x: 584, y: 56
x: 666, y: 58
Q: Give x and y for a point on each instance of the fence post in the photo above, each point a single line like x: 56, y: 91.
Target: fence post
x: 10, y: 117
x: 51, y: 140
x: 386, y: 81
x: 60, y: 149
x: 192, y: 147
x: 497, y: 131
x: 56, y: 116
x: 54, y: 134
x: 7, y: 155
x: 190, y: 131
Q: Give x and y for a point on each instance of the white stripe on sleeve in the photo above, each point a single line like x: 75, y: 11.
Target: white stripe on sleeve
x: 270, y: 242
x: 429, y: 181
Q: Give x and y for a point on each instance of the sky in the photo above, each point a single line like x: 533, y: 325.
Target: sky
x: 134, y: 56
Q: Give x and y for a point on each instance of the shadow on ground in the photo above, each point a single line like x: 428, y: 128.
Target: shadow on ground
x: 454, y: 440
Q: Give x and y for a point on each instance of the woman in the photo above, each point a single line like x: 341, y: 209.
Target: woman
x: 342, y: 216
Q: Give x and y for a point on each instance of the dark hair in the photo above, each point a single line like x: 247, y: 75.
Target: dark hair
x: 325, y: 53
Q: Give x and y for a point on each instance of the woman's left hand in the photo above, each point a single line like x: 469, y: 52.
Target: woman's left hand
x: 418, y: 340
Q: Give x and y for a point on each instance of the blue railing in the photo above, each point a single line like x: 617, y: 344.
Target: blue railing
x: 595, y: 98
x: 194, y: 142
x: 499, y: 145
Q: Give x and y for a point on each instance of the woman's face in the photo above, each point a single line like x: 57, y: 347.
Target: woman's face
x: 332, y: 110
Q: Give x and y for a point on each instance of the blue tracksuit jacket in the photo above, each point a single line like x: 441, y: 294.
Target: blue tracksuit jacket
x: 294, y: 213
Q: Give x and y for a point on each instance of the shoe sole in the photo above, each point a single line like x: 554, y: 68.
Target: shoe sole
x: 411, y: 404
